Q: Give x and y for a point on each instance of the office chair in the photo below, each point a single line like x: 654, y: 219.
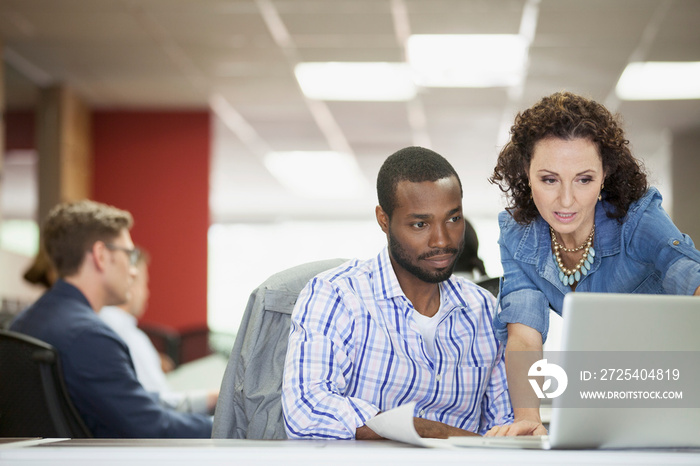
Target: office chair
x: 34, y: 401
x: 250, y: 403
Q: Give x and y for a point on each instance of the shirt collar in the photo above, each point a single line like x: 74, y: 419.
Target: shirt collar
x: 386, y: 284
x: 608, y: 232
x: 118, y: 314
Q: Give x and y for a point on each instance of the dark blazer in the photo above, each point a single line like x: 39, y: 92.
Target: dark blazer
x: 99, y: 373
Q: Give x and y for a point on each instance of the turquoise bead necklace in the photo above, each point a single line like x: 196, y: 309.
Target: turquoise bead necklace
x: 570, y: 276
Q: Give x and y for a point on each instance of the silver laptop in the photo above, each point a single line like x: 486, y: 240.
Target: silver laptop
x: 606, y: 338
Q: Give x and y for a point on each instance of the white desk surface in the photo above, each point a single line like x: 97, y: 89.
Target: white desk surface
x: 306, y: 452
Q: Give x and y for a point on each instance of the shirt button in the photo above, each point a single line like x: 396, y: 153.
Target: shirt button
x: 676, y: 242
x: 421, y: 412
x: 438, y: 377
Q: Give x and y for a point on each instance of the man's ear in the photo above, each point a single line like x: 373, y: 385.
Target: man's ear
x: 382, y: 219
x: 98, y: 254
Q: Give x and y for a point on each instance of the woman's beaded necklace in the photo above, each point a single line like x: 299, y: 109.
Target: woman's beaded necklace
x: 570, y: 276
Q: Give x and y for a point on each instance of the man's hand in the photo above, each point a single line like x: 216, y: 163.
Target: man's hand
x: 424, y: 427
x: 435, y: 429
x: 212, y: 398
x: 166, y: 363
x: 524, y: 427
x: 365, y: 433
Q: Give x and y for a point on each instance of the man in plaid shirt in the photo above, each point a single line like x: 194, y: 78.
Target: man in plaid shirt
x: 369, y: 336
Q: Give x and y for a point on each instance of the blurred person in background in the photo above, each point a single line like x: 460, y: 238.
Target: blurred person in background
x: 469, y: 264
x: 90, y: 248
x: 148, y: 362
x: 41, y: 272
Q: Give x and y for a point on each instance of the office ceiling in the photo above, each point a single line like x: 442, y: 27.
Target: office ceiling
x: 239, y: 55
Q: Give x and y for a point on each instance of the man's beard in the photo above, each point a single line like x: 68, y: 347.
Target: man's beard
x: 400, y: 255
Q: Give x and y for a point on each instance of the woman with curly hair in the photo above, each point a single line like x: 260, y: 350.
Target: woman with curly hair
x: 580, y: 217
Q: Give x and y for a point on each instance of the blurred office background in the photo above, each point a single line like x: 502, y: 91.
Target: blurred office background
x: 245, y: 135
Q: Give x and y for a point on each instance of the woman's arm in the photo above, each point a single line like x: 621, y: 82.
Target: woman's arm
x: 652, y: 237
x: 522, y: 338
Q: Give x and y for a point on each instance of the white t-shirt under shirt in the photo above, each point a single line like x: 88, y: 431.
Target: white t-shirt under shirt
x: 428, y: 325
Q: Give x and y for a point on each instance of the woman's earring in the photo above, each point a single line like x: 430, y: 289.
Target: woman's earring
x: 530, y: 186
x: 600, y: 196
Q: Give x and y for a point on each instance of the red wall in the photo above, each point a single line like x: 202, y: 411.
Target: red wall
x: 156, y: 166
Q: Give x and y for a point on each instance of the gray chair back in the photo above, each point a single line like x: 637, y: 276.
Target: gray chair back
x: 249, y: 403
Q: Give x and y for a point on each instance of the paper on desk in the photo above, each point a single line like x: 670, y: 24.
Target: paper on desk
x: 397, y: 424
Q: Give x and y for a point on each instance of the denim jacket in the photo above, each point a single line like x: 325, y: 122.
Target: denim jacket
x: 645, y: 253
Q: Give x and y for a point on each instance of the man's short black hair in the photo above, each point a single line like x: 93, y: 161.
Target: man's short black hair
x: 414, y: 164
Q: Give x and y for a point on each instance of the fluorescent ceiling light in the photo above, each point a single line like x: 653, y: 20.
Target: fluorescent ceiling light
x: 467, y: 60
x: 356, y: 81
x: 660, y: 81
x: 323, y: 175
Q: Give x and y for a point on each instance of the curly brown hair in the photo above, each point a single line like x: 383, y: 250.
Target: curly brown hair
x: 568, y: 116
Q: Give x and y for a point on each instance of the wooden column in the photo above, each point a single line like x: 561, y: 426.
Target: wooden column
x: 2, y: 123
x: 64, y: 144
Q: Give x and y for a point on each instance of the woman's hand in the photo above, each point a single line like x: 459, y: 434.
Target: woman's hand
x: 523, y: 427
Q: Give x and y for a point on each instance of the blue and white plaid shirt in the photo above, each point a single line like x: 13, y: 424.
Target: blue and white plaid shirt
x: 355, y: 350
